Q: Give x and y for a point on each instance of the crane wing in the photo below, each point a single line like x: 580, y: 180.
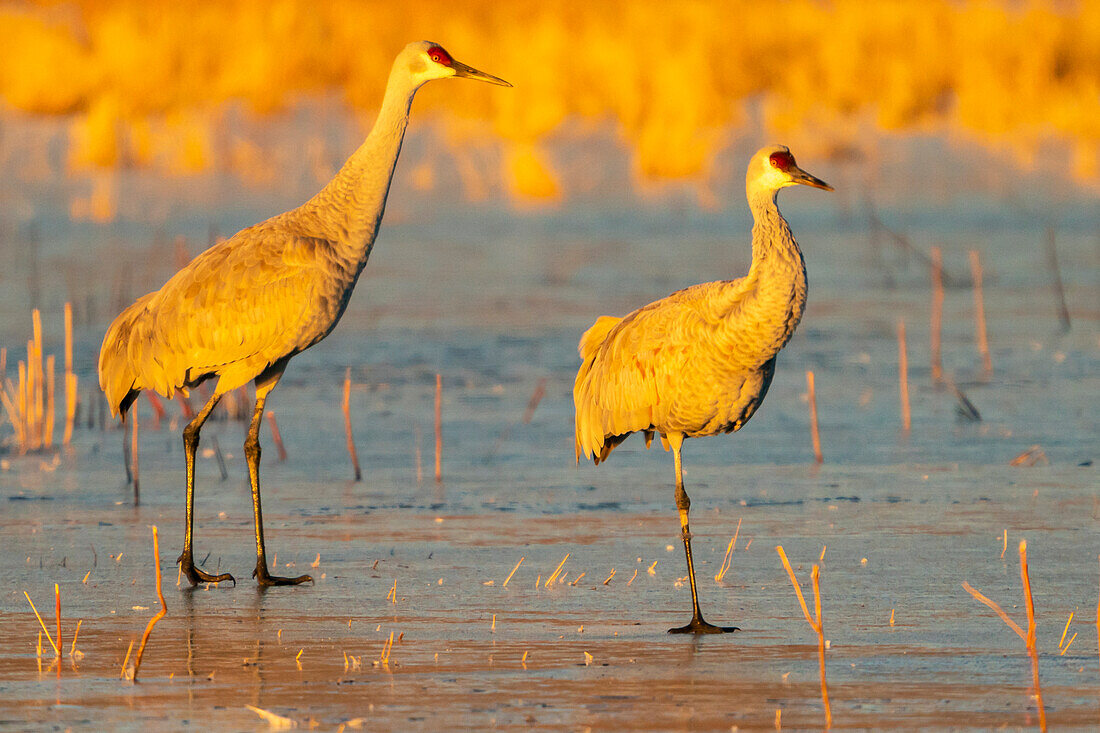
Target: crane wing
x: 236, y: 308
x: 624, y: 383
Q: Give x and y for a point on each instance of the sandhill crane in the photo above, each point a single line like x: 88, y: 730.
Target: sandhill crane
x: 698, y: 362
x: 241, y: 309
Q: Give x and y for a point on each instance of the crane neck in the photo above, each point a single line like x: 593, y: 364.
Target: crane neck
x: 773, y: 303
x: 348, y: 210
x: 774, y: 249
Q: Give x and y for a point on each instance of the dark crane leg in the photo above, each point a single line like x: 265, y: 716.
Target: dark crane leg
x: 264, y: 384
x: 190, y: 445
x: 697, y: 625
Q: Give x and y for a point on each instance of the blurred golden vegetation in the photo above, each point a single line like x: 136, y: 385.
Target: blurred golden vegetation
x: 672, y: 77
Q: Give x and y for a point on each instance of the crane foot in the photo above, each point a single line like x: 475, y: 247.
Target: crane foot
x: 196, y: 576
x: 265, y: 578
x: 699, y: 626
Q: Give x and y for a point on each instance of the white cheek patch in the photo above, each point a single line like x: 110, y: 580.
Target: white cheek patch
x: 419, y: 65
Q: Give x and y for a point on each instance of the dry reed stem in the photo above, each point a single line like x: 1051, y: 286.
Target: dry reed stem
x: 1004, y: 544
x: 903, y: 377
x: 1059, y: 289
x: 554, y: 575
x: 384, y: 659
x: 123, y: 672
x: 72, y: 646
x: 609, y: 577
x: 160, y: 614
x: 276, y: 435
x: 392, y: 595
x: 577, y: 579
x: 814, y: 434
x: 57, y: 613
x: 70, y: 384
x: 1065, y: 631
x: 892, y: 616
x: 728, y: 559
x: 1033, y: 456
x: 817, y: 625
x: 347, y: 426
x: 47, y: 427
x: 996, y: 609
x: 505, y: 583
x: 439, y: 428
x: 937, y: 315
x: 1024, y: 577
x: 536, y: 397
x: 979, y: 314
x: 635, y: 575
x: 797, y: 588
x: 273, y: 720
x: 57, y: 650
x: 416, y: 452
x: 1098, y: 622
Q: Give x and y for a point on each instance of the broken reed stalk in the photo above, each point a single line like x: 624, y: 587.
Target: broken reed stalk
x: 979, y: 314
x: 557, y: 570
x: 815, y: 436
x: 70, y: 378
x: 439, y: 428
x: 995, y: 608
x: 817, y: 625
x: 536, y: 398
x: 41, y: 623
x: 1056, y: 274
x: 416, y: 451
x: 276, y: 435
x: 220, y: 458
x: 937, y: 315
x: 903, y: 377
x: 728, y: 559
x: 347, y: 426
x: 1028, y: 637
x: 505, y: 583
x: 160, y: 614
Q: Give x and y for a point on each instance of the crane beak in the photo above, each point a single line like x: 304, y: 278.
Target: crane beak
x: 800, y: 176
x: 470, y: 72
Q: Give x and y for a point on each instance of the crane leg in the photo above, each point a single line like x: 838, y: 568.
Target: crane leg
x: 697, y: 625
x: 264, y: 384
x: 190, y: 445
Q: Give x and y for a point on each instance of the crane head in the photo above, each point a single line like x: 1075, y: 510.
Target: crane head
x: 426, y: 60
x: 773, y: 168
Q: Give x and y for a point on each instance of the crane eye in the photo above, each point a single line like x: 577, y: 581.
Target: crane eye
x: 438, y: 55
x: 781, y: 160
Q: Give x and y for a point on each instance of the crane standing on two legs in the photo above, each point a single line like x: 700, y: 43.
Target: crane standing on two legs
x: 241, y: 309
x: 700, y: 361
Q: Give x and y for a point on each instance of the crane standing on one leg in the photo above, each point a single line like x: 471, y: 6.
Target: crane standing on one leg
x: 698, y: 362
x: 241, y: 309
